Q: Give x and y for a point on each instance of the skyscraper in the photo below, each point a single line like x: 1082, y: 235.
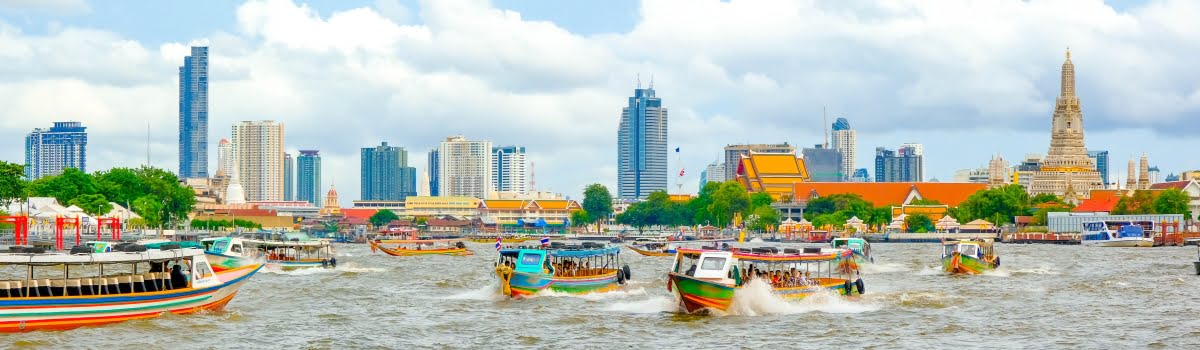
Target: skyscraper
x: 844, y: 141
x: 1101, y: 159
x: 1067, y: 170
x: 225, y: 157
x: 734, y: 153
x: 289, y: 177
x: 642, y: 146
x: 258, y: 154
x: 823, y: 164
x: 714, y: 172
x: 193, y: 114
x: 916, y: 149
x: 903, y: 165
x: 386, y: 174
x: 50, y: 151
x: 433, y: 170
x: 465, y: 167
x: 508, y: 169
x: 308, y: 177
x: 861, y: 175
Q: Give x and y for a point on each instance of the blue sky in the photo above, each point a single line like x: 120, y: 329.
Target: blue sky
x: 968, y: 79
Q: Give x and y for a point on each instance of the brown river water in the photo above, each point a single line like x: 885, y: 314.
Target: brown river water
x: 1044, y: 296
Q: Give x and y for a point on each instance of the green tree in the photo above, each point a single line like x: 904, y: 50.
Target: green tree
x: 759, y: 199
x: 64, y: 187
x: 635, y: 216
x: 150, y: 209
x: 12, y: 183
x: 763, y: 218
x: 92, y: 204
x: 919, y: 223
x: 383, y: 217
x: 999, y: 205
x: 579, y: 218
x: 1044, y: 198
x: 121, y: 185
x: 176, y: 199
x: 597, y: 201
x: 1142, y: 202
x: 1173, y: 201
x: 728, y: 200
x: 925, y: 202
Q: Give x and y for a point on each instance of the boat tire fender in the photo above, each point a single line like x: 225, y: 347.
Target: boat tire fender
x: 625, y: 271
x: 333, y: 262
x: 848, y: 287
x: 620, y: 277
x: 858, y: 284
x: 997, y: 261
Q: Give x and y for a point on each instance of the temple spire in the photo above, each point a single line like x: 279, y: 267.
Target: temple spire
x: 1068, y: 77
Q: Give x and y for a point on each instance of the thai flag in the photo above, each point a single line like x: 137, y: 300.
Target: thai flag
x: 498, y: 239
x: 545, y: 241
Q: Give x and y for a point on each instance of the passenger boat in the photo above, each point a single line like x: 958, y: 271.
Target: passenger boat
x: 413, y: 247
x: 575, y: 269
x: 503, y: 239
x: 715, y: 277
x: 1116, y: 234
x: 860, y: 247
x: 58, y: 291
x: 969, y: 256
x: 669, y: 248
x: 231, y: 252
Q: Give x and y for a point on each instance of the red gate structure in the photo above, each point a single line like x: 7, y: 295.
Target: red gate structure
x: 59, y: 222
x: 21, y: 231
x: 114, y: 225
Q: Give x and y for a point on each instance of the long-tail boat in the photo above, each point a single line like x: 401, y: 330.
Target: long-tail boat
x: 411, y: 247
x: 232, y: 252
x: 503, y: 238
x: 713, y: 277
x: 575, y: 269
x: 969, y: 257
x: 58, y: 291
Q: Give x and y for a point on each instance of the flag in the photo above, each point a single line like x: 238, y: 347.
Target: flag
x: 545, y: 241
x: 680, y: 172
x: 498, y: 239
x: 676, y: 149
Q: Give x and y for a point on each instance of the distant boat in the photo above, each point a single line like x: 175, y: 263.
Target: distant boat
x: 860, y: 247
x: 232, y: 252
x: 1115, y: 234
x: 971, y: 257
x: 454, y: 247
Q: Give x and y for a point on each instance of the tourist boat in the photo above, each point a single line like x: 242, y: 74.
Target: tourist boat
x: 715, y: 277
x: 503, y: 239
x: 1115, y: 234
x: 58, y: 291
x: 575, y: 269
x: 412, y: 247
x: 232, y: 252
x: 668, y: 248
x: 860, y: 247
x: 968, y: 256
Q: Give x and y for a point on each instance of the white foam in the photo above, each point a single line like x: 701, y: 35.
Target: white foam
x: 489, y: 292
x: 757, y: 298
x: 658, y: 304
x: 882, y: 268
x: 930, y: 271
x: 348, y: 266
x: 616, y: 294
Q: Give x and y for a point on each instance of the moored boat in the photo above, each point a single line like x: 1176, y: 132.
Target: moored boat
x: 58, y: 291
x: 233, y: 252
x: 860, y: 247
x: 652, y: 249
x: 970, y: 257
x: 1115, y: 234
x: 714, y: 278
x: 574, y: 269
x: 413, y: 247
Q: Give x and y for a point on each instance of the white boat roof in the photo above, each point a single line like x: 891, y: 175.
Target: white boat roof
x: 312, y: 243
x: 97, y: 258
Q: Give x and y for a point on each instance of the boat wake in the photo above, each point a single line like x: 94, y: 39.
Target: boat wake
x: 757, y: 299
x: 616, y: 294
x: 345, y: 267
x: 658, y: 304
x: 487, y: 292
x: 880, y: 268
x: 931, y: 271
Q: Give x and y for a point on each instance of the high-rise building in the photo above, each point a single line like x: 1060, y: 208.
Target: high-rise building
x: 976, y: 175
x: 903, y: 165
x: 1101, y: 159
x: 508, y: 169
x: 1067, y: 170
x: 915, y: 149
x: 50, y: 151
x: 225, y: 158
x: 861, y: 175
x: 258, y: 154
x: 289, y: 177
x: 308, y: 177
x: 193, y: 114
x: 714, y: 172
x: 1154, y: 174
x: 465, y: 168
x: 734, y: 154
x: 385, y: 173
x: 823, y: 164
x: 642, y: 146
x: 844, y: 141
x: 433, y: 171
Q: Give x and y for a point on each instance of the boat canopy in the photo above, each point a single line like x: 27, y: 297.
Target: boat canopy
x: 44, y: 259
x: 749, y: 256
x: 566, y: 253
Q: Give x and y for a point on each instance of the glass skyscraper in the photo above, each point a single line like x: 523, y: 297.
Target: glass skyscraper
x: 385, y: 173
x: 1101, y: 158
x: 193, y: 114
x: 50, y: 151
x: 642, y: 146
x: 433, y: 167
x: 308, y: 177
x: 289, y: 177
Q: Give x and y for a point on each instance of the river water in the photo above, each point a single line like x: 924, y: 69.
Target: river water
x: 1044, y: 296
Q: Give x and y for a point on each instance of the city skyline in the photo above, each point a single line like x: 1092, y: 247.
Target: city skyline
x: 965, y: 100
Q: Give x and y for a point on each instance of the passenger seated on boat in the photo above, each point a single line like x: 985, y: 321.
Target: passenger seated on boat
x: 178, y: 280
x: 691, y: 271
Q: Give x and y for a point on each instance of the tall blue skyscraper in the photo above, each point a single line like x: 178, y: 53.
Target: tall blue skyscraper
x: 193, y: 114
x: 1101, y: 158
x: 308, y: 177
x: 642, y: 146
x: 385, y: 173
x: 433, y: 167
x: 50, y: 151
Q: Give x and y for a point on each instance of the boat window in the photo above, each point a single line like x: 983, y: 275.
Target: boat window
x: 712, y: 263
x: 237, y: 248
x: 531, y: 259
x: 949, y: 249
x: 971, y: 250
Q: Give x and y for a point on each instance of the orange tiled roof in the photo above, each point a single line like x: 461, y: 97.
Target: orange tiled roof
x: 892, y: 193
x: 774, y: 173
x: 503, y: 203
x: 360, y: 213
x: 1179, y: 185
x: 1097, y: 204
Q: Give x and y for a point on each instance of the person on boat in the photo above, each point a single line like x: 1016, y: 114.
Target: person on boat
x: 178, y: 280
x: 691, y: 271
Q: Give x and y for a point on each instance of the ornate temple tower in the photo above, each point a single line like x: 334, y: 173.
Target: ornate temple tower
x: 1130, y: 177
x: 997, y: 172
x: 1143, y: 182
x: 1067, y: 167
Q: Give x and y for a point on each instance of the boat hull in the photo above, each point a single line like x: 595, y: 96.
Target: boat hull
x: 699, y: 296
x: 670, y: 252
x: 965, y: 264
x: 69, y: 312
x: 415, y: 252
x: 522, y: 284
x: 1121, y: 242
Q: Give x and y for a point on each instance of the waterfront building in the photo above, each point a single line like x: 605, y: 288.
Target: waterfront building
x: 289, y: 177
x: 734, y: 154
x: 308, y: 177
x: 50, y: 151
x: 845, y: 141
x: 883, y: 194
x: 903, y: 165
x: 773, y: 173
x: 642, y: 146
x: 258, y: 151
x: 385, y: 174
x: 508, y: 169
x: 714, y: 172
x: 512, y: 215
x: 823, y: 164
x: 193, y: 114
x: 1067, y: 171
x: 464, y: 167
x: 1101, y: 158
x: 439, y: 206
x: 432, y: 170
x: 1190, y: 187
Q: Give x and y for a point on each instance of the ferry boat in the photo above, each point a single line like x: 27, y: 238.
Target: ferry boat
x: 669, y: 248
x: 970, y: 257
x: 503, y: 239
x: 575, y: 269
x: 411, y: 247
x: 83, y: 287
x: 1115, y: 234
x: 860, y: 247
x: 231, y: 252
x: 715, y: 277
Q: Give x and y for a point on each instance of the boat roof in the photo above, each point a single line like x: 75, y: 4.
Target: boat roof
x: 58, y: 258
x: 567, y: 253
x: 421, y: 240
x: 744, y: 255
x: 320, y: 242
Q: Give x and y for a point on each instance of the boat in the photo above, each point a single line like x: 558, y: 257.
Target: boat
x: 232, y: 252
x: 715, y: 277
x: 413, y: 247
x: 66, y: 290
x: 574, y: 269
x: 1116, y: 234
x: 970, y: 257
x: 503, y: 239
x: 669, y: 248
x: 860, y: 247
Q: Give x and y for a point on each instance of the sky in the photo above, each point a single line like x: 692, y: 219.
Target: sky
x: 968, y: 79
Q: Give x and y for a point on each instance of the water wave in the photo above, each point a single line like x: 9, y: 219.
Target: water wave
x: 879, y: 268
x: 345, y: 267
x: 757, y: 299
x: 931, y: 271
x: 488, y: 292
x: 657, y: 304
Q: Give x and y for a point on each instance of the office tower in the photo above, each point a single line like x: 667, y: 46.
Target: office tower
x: 844, y: 141
x: 385, y: 173
x: 50, y: 151
x: 193, y: 114
x: 508, y: 169
x: 258, y: 153
x: 823, y: 164
x: 465, y: 167
x: 289, y: 177
x: 308, y: 177
x: 434, y: 164
x: 642, y: 146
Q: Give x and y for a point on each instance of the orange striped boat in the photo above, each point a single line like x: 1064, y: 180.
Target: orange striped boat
x: 413, y: 247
